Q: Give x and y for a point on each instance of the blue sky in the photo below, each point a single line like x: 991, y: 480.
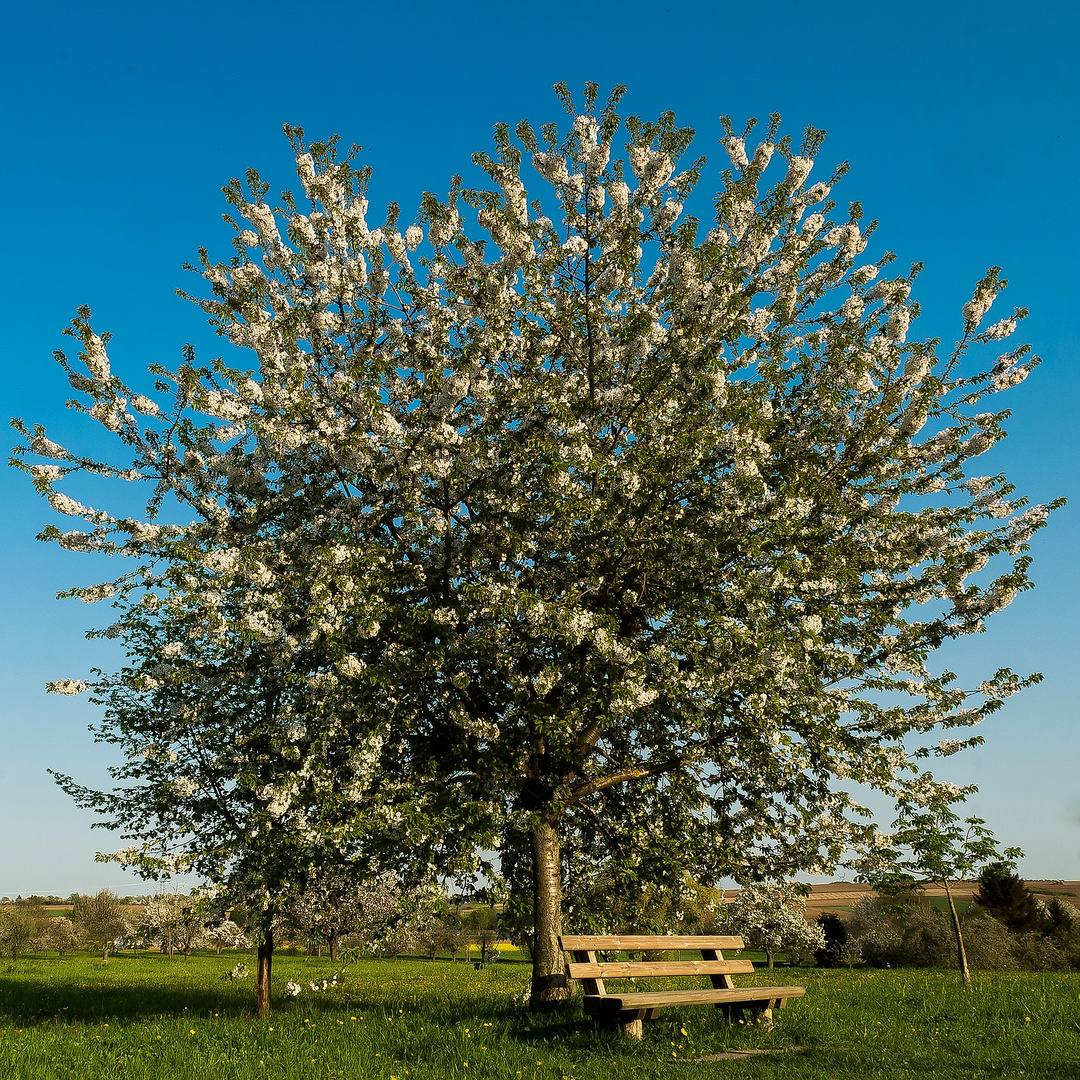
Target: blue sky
x: 123, y: 121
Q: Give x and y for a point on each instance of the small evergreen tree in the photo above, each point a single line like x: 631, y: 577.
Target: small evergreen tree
x: 1004, y: 895
x: 835, y: 932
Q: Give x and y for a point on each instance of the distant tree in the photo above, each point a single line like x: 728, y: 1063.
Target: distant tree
x: 173, y: 921
x: 340, y: 900
x: 1004, y: 895
x: 772, y: 917
x: 158, y: 925
x: 227, y: 935
x: 18, y: 927
x: 102, y: 920
x: 457, y: 936
x: 59, y: 933
x: 1059, y: 917
x: 835, y: 933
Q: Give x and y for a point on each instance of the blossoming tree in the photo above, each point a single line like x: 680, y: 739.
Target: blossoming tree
x: 240, y: 765
x: 772, y: 917
x: 598, y: 523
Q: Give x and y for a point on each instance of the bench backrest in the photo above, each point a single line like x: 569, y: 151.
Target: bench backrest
x: 592, y: 972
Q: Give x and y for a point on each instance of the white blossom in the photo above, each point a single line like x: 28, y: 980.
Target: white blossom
x: 68, y: 687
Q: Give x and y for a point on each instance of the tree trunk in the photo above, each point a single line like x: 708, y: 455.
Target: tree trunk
x: 961, y: 952
x: 770, y: 956
x: 549, y: 986
x: 105, y: 952
x: 335, y: 949
x: 262, y: 976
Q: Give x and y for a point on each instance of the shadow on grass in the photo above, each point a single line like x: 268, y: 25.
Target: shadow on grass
x: 26, y: 1001
x: 133, y: 987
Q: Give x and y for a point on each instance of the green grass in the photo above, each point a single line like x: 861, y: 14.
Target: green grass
x: 144, y: 1016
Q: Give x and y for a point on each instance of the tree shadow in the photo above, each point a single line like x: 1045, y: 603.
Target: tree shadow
x: 27, y: 1000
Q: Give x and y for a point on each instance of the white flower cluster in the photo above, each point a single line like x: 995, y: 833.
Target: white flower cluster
x: 68, y: 687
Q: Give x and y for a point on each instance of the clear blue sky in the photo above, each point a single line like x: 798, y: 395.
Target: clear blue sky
x: 123, y: 120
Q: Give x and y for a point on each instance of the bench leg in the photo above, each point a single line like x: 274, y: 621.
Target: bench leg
x: 629, y: 1023
x: 762, y: 1012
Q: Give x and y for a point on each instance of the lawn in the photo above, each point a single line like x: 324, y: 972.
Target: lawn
x: 145, y: 1016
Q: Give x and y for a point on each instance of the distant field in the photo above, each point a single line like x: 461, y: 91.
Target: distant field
x: 841, y: 896
x: 144, y: 1017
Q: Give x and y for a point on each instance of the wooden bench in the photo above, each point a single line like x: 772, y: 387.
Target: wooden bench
x: 628, y: 1010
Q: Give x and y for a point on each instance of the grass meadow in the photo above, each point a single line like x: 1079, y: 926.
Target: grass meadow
x: 145, y: 1016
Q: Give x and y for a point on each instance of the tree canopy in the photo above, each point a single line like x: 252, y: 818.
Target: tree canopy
x: 580, y: 529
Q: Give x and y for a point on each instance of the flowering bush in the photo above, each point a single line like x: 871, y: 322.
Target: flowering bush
x: 772, y: 917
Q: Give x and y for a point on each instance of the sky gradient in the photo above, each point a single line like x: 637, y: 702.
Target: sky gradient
x: 123, y: 121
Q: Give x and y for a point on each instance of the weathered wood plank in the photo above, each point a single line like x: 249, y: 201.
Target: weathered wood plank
x: 659, y: 999
x: 645, y: 942
x: 629, y: 969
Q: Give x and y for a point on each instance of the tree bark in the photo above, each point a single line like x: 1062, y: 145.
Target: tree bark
x: 262, y: 977
x: 961, y: 952
x: 549, y: 985
x: 335, y: 950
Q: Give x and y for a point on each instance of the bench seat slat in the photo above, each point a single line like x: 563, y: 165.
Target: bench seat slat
x: 623, y: 969
x: 662, y: 998
x: 644, y: 942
